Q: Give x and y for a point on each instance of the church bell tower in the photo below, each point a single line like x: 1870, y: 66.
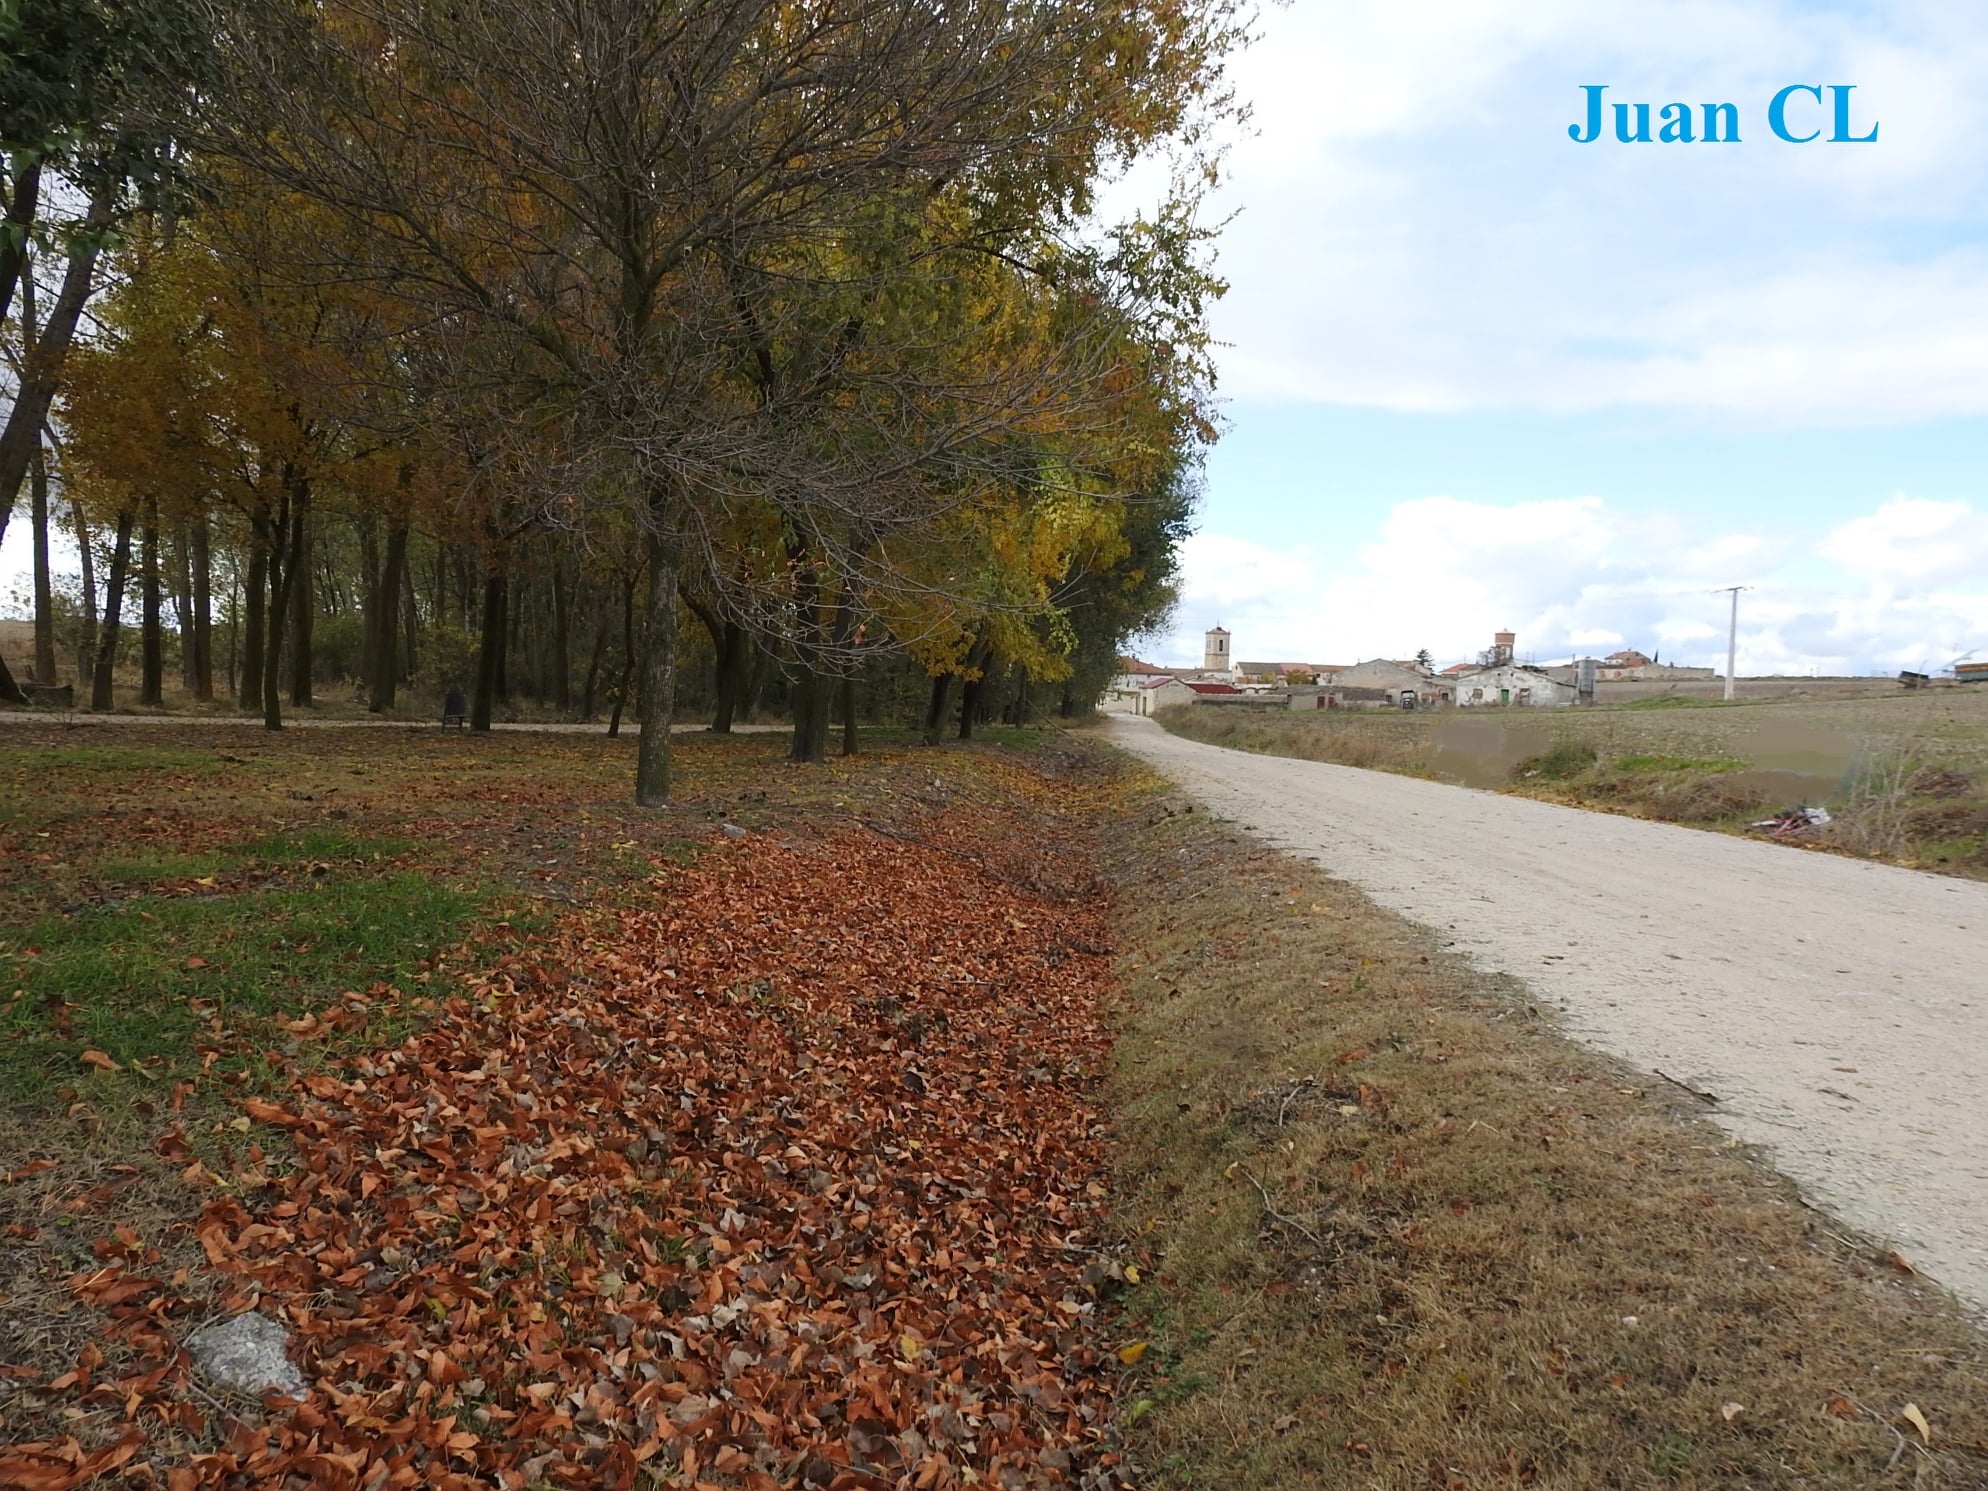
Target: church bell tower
x: 1215, y: 651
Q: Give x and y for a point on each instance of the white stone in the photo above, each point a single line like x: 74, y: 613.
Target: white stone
x: 248, y: 1354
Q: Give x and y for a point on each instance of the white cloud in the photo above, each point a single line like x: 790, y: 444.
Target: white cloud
x: 1888, y: 589
x: 1912, y: 540
x: 1417, y: 233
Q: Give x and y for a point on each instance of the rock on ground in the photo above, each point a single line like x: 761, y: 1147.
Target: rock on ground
x: 248, y: 1354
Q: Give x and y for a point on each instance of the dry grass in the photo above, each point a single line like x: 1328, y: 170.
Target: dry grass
x: 50, y: 1223
x: 1400, y: 1233
x: 1373, y: 739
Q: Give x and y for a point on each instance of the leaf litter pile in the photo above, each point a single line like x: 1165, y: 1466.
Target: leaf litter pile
x: 792, y: 1175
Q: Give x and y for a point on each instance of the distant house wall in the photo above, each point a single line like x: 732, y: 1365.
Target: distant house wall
x: 1511, y: 686
x: 1333, y: 696
x: 1377, y: 674
x: 1164, y: 695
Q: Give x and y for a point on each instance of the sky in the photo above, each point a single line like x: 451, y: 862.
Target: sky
x: 1476, y: 376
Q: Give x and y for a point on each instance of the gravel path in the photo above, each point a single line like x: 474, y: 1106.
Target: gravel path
x: 1838, y: 1009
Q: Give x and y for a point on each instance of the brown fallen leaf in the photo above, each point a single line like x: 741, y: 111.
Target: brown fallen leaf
x: 1898, y: 1261
x: 97, y: 1059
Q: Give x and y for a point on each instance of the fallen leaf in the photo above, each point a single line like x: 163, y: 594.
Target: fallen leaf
x: 101, y: 1062
x: 1911, y: 1414
x: 1731, y: 1411
x: 1130, y: 1354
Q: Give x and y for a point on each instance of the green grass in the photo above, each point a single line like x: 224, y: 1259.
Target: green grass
x: 143, y: 977
x: 1643, y: 764
x: 1563, y: 760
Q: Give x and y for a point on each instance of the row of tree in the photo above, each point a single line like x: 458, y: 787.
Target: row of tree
x: 536, y: 337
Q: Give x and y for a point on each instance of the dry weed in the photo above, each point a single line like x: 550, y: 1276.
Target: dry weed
x: 1872, y: 817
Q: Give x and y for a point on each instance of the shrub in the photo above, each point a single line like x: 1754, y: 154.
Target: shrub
x: 1565, y: 760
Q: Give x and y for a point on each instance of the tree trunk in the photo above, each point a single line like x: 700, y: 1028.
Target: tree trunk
x: 42, y: 367
x: 86, y: 640
x: 371, y: 592
x: 935, y: 708
x: 511, y: 608
x: 203, y: 613
x: 627, y: 657
x: 812, y: 692
x: 410, y: 625
x: 562, y: 641
x: 812, y: 689
x: 490, y: 651
x: 969, y: 701
x: 152, y: 686
x: 979, y: 663
x: 303, y: 598
x: 44, y: 591
x: 842, y: 629
x: 383, y: 665
x: 286, y: 572
x: 652, y: 756
x: 250, y: 613
x: 594, y: 665
x: 120, y: 561
x: 733, y: 661
x: 17, y: 231
x: 183, y: 603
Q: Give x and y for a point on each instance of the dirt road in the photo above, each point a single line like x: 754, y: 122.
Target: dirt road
x: 1838, y: 1009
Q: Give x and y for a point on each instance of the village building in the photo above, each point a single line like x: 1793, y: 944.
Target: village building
x: 1162, y: 692
x: 1215, y: 651
x: 1133, y: 674
x: 1500, y: 681
x: 1631, y: 666
x: 1287, y: 674
x: 1513, y: 685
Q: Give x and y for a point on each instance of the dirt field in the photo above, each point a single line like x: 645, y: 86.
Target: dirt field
x: 1906, y: 776
x: 1823, y: 737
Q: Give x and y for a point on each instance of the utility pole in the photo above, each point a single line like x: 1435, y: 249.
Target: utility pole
x: 1732, y: 637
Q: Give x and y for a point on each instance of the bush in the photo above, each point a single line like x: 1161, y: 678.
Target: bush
x: 1563, y: 762
x: 338, y: 645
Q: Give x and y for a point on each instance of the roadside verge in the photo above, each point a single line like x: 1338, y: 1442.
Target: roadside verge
x: 1395, y: 1230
